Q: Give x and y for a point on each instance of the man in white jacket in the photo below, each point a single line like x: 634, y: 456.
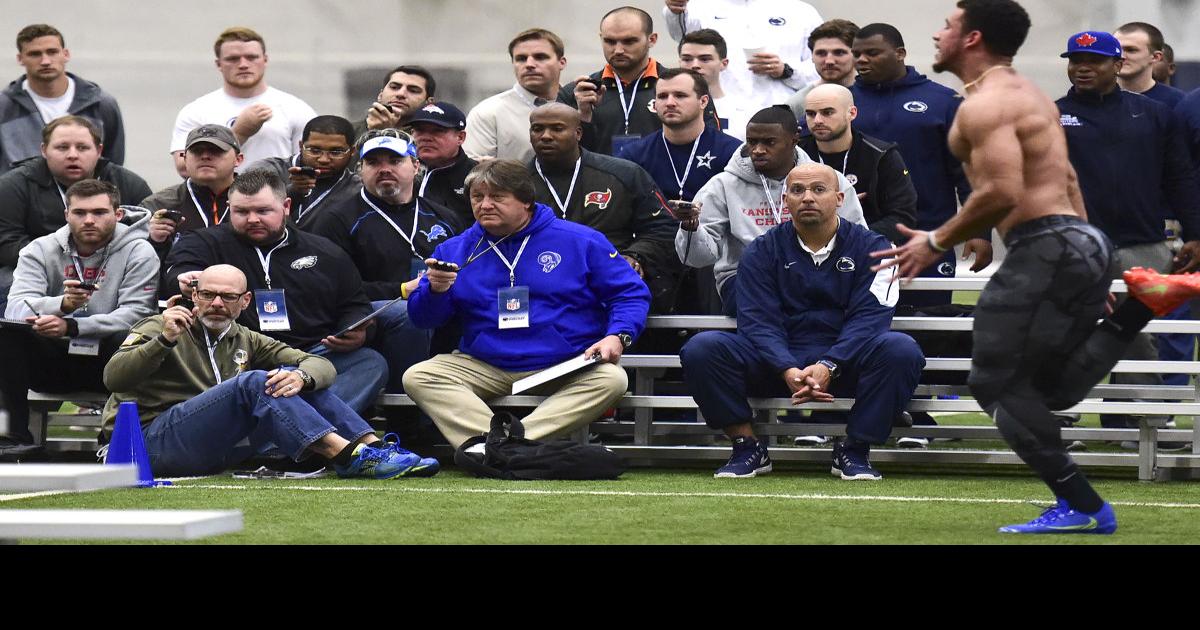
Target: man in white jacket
x: 743, y: 202
x: 75, y: 295
x: 769, y: 57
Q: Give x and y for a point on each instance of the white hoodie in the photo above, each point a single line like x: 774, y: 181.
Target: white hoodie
x: 735, y: 211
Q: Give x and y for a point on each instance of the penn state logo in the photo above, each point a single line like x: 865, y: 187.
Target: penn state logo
x: 946, y: 269
x: 435, y: 232
x: 845, y: 264
x: 548, y: 261
x: 306, y: 262
x: 852, y: 178
x: 650, y: 106
x: 228, y: 123
x: 598, y: 198
x: 916, y: 107
x: 776, y: 21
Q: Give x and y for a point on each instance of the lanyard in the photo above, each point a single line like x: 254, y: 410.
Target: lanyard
x: 212, y: 350
x: 845, y: 160
x: 680, y: 180
x: 75, y: 260
x: 266, y: 260
x: 416, y: 214
x: 200, y: 209
x: 627, y: 108
x: 61, y: 193
x: 562, y: 203
x: 776, y: 210
x: 523, y: 95
x: 512, y: 266
x: 305, y: 207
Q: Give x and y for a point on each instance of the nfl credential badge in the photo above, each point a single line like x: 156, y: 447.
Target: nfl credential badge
x: 513, y: 305
x: 272, y: 310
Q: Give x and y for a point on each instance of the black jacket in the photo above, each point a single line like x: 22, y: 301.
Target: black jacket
x: 306, y: 208
x: 324, y: 292
x: 31, y: 204
x: 1130, y: 153
x: 619, y: 199
x: 608, y: 119
x: 21, y: 123
x: 384, y: 257
x: 444, y: 186
x: 875, y: 167
x: 179, y: 198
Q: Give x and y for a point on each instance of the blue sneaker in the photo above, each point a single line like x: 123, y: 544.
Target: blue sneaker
x: 749, y: 459
x: 378, y: 463
x: 427, y: 467
x: 852, y: 463
x: 1061, y: 519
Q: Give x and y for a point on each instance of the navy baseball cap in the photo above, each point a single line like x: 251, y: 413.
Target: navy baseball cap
x: 439, y: 113
x: 1094, y: 42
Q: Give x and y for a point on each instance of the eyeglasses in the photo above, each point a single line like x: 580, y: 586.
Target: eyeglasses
x: 209, y: 296
x: 314, y: 152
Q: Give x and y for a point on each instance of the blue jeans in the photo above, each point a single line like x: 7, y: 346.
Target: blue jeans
x: 236, y: 419
x: 361, y: 374
x: 401, y: 343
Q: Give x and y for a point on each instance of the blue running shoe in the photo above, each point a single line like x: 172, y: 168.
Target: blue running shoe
x: 427, y: 467
x: 852, y: 464
x: 749, y: 459
x: 1061, y: 519
x: 378, y: 463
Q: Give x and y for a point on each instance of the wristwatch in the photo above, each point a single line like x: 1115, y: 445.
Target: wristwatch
x: 788, y: 71
x: 831, y: 366
x: 626, y: 339
x: 308, y: 380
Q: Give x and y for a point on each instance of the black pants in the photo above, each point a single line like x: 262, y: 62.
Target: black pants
x: 31, y: 361
x: 1037, y: 346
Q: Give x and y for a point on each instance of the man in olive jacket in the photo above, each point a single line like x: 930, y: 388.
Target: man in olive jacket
x: 211, y: 393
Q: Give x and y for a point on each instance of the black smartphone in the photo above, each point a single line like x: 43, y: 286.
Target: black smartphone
x: 443, y: 266
x: 87, y: 286
x: 308, y: 171
x: 595, y: 86
x: 173, y: 215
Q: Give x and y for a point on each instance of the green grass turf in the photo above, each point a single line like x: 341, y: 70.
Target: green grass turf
x: 662, y: 507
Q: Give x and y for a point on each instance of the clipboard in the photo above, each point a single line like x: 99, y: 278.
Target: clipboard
x: 367, y: 318
x: 554, y: 371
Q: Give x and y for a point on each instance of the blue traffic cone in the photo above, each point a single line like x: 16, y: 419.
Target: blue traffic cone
x: 129, y: 447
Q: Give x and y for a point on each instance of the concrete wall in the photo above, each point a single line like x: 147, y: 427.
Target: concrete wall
x: 157, y: 56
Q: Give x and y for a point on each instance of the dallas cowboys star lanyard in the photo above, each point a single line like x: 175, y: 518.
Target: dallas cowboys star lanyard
x: 627, y: 108
x: 266, y: 260
x: 680, y: 180
x: 512, y: 266
x: 200, y: 209
x: 416, y: 214
x: 562, y: 203
x: 776, y: 210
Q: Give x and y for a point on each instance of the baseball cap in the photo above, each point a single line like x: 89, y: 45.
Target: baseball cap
x: 439, y: 113
x: 1095, y: 42
x: 217, y: 135
x: 388, y: 143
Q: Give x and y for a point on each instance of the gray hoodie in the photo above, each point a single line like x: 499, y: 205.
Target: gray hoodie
x: 736, y: 211
x: 127, y: 288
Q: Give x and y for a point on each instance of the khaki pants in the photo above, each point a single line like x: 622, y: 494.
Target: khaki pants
x: 454, y: 389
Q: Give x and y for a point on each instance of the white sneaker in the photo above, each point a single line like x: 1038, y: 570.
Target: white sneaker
x: 912, y: 442
x: 811, y: 440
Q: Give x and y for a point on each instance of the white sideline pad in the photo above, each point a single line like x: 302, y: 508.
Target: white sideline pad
x: 138, y: 524
x: 71, y: 477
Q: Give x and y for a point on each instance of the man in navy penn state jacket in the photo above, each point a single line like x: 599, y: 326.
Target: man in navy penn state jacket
x: 813, y: 322
x: 530, y: 291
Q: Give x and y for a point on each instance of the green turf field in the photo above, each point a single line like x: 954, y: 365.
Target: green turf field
x: 803, y: 505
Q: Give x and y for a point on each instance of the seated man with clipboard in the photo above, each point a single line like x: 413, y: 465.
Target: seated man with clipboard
x: 531, y: 292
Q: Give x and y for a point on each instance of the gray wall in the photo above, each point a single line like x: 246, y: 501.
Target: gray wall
x: 138, y: 50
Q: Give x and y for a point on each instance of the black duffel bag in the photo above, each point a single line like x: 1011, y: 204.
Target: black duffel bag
x: 508, y: 455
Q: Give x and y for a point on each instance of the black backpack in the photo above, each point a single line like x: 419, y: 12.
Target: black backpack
x: 508, y: 455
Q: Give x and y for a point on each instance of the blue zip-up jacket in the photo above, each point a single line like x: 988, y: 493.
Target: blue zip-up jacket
x: 712, y: 154
x: 788, y: 305
x: 916, y: 114
x: 580, y: 291
x: 1133, y: 164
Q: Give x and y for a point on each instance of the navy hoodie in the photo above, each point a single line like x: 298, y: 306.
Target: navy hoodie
x: 1133, y: 165
x: 916, y: 114
x: 580, y: 291
x: 789, y: 305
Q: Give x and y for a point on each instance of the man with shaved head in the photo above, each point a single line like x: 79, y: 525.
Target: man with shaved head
x: 613, y: 196
x: 813, y: 323
x: 873, y: 166
x: 211, y: 393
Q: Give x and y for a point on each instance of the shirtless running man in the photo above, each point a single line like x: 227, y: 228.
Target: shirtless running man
x: 1037, y: 347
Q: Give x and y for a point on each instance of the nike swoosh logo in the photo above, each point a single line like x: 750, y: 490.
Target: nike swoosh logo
x: 1138, y: 115
x: 656, y: 213
x: 613, y: 255
x: 789, y: 265
x: 1091, y: 524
